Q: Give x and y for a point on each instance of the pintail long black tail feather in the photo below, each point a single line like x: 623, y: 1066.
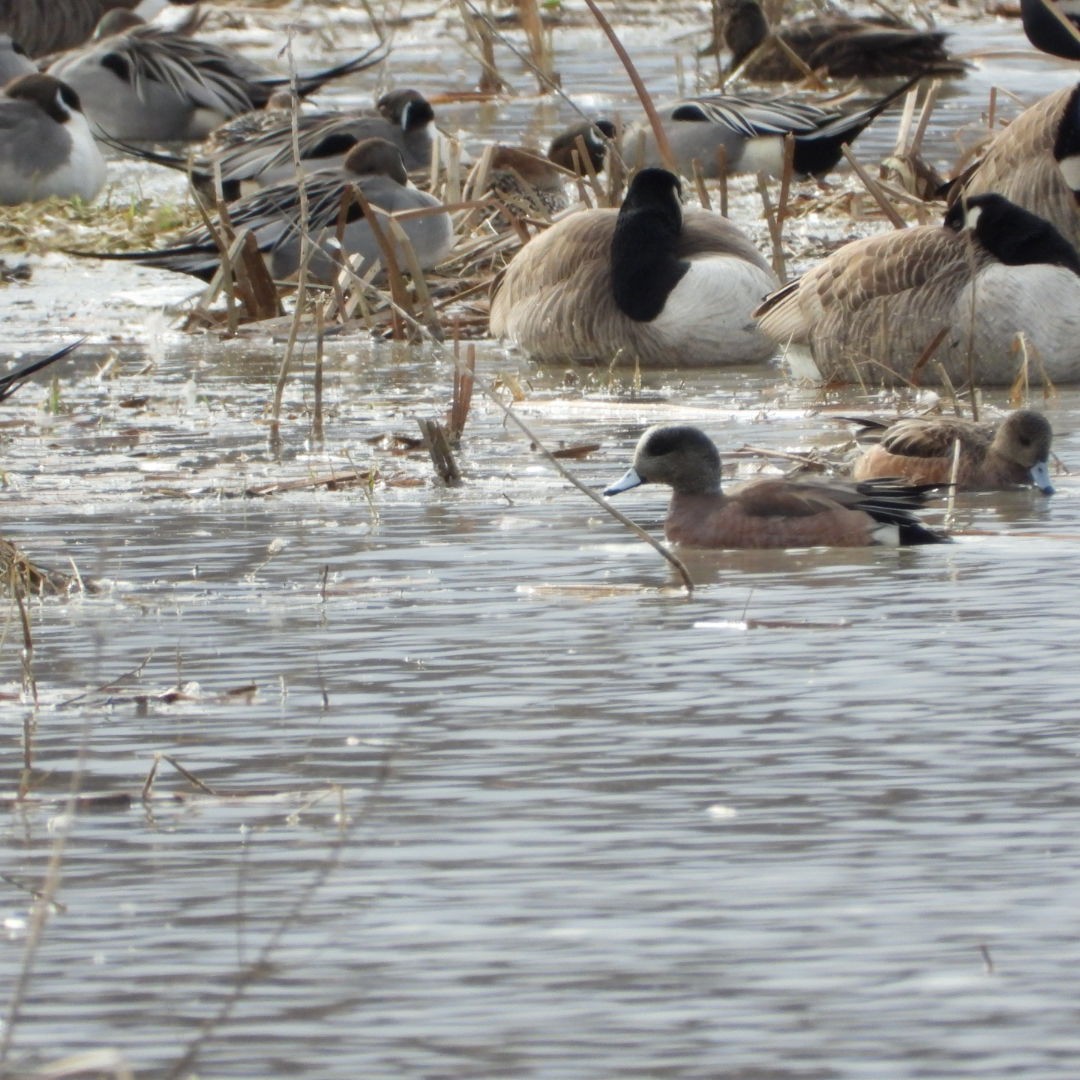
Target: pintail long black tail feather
x: 11, y: 382
x: 193, y: 259
x: 308, y: 84
x: 818, y: 151
x: 893, y: 501
x: 156, y: 157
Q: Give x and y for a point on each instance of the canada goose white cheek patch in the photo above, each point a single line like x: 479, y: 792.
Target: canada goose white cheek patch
x: 971, y: 217
x: 1070, y: 170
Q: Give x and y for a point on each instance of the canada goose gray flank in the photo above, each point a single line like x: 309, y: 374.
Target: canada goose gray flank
x: 647, y: 284
x: 404, y: 118
x: 46, y: 147
x: 839, y: 46
x: 1046, y: 31
x: 920, y: 449
x: 1035, y: 162
x: 874, y: 307
x: 374, y: 166
x: 154, y: 84
x: 748, y: 133
x: 768, y: 513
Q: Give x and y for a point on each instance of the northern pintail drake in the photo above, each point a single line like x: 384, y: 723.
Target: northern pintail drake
x: 13, y: 60
x: 1035, y: 163
x: 746, y: 134
x: 148, y: 83
x: 768, y: 513
x: 837, y: 46
x: 49, y: 26
x: 1047, y: 32
x: 373, y: 167
x: 403, y: 118
x: 649, y: 284
x: 1000, y: 454
x: 877, y: 309
x: 46, y: 147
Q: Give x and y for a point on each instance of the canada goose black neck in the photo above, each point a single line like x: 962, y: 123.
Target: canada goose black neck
x: 1067, y: 143
x: 1011, y: 234
x: 644, y: 264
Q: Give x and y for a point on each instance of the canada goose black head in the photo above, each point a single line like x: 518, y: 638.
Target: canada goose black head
x: 1067, y: 142
x: 1046, y: 30
x: 644, y: 264
x: 1013, y: 235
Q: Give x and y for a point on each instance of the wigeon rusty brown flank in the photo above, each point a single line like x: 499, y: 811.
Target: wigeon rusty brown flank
x: 770, y: 513
x: 1015, y: 450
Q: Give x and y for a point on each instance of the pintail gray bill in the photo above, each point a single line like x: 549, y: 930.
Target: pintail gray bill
x: 273, y: 215
x: 46, y: 147
x: 768, y: 513
x: 649, y: 284
x: 148, y: 83
x: 877, y: 308
x: 746, y: 133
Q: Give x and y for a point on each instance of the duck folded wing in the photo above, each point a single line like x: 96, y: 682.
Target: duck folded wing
x: 915, y: 437
x: 787, y: 498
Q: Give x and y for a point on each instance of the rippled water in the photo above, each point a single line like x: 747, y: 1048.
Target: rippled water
x: 504, y: 802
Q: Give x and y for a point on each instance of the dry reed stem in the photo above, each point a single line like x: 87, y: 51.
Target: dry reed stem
x: 659, y: 134
x: 438, y: 446
x: 317, y: 435
x: 771, y: 219
x: 874, y: 188
x: 539, y: 50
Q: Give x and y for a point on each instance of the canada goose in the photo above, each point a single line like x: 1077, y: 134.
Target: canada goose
x: 964, y: 290
x: 838, y: 46
x: 403, y: 117
x: 273, y: 215
x: 648, y: 283
x: 1035, y: 162
x: 46, y: 147
x: 748, y: 132
x: 768, y: 513
x: 155, y: 84
x: 1046, y: 31
x: 919, y: 449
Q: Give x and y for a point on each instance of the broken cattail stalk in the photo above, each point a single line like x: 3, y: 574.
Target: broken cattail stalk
x: 779, y: 266
x: 699, y: 184
x: 317, y: 417
x: 464, y: 380
x: 438, y: 446
x: 874, y: 188
x: 539, y: 47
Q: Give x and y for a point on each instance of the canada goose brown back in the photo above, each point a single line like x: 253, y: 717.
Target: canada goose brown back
x: 673, y: 289
x: 960, y: 292
x: 1035, y: 162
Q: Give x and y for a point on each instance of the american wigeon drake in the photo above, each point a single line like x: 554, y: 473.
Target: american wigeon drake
x: 1014, y: 450
x: 150, y: 83
x: 374, y: 167
x: 650, y: 284
x: 46, y: 147
x: 875, y: 308
x: 1047, y: 32
x: 1035, y: 163
x: 838, y: 46
x: 48, y: 26
x: 747, y: 133
x: 323, y: 139
x: 595, y: 135
x: 768, y: 513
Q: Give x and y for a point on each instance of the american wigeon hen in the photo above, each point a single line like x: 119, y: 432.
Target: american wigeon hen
x: 962, y: 292
x: 768, y: 513
x: 747, y: 133
x: 1015, y: 450
x: 839, y: 46
x: 649, y: 283
x: 1035, y: 163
